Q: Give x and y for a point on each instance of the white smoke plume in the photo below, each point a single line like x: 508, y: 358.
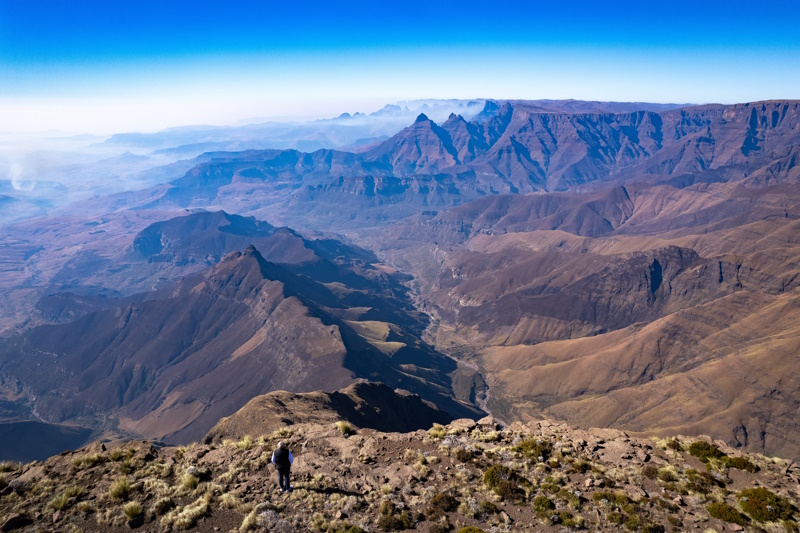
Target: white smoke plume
x: 15, y: 173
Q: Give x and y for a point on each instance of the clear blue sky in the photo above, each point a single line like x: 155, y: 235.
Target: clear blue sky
x: 140, y: 64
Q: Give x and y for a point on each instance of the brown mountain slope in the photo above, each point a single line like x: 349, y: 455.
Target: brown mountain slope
x: 172, y: 366
x: 668, y: 308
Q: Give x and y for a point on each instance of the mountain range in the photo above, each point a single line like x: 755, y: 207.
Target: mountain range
x: 630, y: 266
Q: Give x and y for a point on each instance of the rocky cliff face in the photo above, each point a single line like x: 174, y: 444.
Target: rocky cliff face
x: 467, y: 476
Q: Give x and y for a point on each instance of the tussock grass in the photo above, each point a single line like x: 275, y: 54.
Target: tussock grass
x: 9, y: 466
x: 121, y: 489
x: 186, y: 517
x: 245, y: 443
x: 132, y: 509
x: 189, y: 482
x: 87, y: 461
x: 59, y: 503
x: 437, y: 432
x: 345, y: 428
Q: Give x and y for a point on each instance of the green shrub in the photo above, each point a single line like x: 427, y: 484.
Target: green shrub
x: 634, y: 522
x: 443, y: 502
x: 551, y: 488
x: 542, y: 505
x: 674, y: 444
x: 496, y: 474
x: 442, y: 526
x: 653, y: 528
x: 510, y: 490
x: 726, y: 513
x: 650, y: 472
x: 533, y: 449
x: 667, y: 474
x: 463, y: 455
x: 581, y: 465
x: 763, y: 505
x: 701, y: 482
x: 489, y: 508
x: 705, y: 450
x: 613, y: 498
x: 395, y: 522
x: 616, y: 517
x: 470, y: 529
x: 741, y: 463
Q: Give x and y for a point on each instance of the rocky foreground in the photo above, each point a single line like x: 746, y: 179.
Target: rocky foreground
x: 464, y: 476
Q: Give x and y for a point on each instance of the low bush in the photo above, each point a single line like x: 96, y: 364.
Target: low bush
x: 504, y: 482
x: 763, y: 505
x: 674, y: 444
x: 534, y: 449
x: 740, y: 463
x: 463, y: 455
x: 726, y: 513
x: 443, y: 502
x: 470, y: 529
x: 617, y: 499
x: 705, y: 450
x: 489, y: 508
x: 542, y: 505
x: 650, y: 472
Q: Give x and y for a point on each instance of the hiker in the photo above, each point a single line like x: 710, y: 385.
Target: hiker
x: 282, y: 459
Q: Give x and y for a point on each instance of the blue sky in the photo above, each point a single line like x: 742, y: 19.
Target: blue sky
x: 113, y: 66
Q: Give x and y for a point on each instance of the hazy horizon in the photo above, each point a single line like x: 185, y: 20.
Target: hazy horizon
x: 145, y: 67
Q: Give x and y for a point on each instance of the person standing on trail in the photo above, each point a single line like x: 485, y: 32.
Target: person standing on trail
x: 282, y: 459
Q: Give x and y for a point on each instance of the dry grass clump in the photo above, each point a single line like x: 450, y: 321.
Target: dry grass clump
x: 189, y: 482
x: 59, y: 503
x: 186, y: 517
x: 162, y: 505
x: 132, y: 509
x: 9, y: 466
x: 490, y: 436
x: 245, y: 443
x: 87, y: 461
x: 437, y: 432
x: 282, y: 433
x: 121, y: 489
x: 318, y: 522
x: 345, y: 428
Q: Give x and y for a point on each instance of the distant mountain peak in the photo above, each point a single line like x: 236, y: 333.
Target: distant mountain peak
x: 422, y: 118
